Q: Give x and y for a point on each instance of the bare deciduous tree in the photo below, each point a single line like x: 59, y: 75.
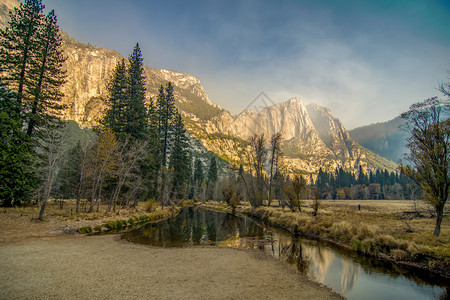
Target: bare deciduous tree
x: 49, y: 151
x: 275, y: 151
x: 429, y: 150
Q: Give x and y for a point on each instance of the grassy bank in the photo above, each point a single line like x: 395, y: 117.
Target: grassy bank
x: 18, y: 223
x: 385, y: 229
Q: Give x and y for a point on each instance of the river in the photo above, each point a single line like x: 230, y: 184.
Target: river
x: 352, y: 275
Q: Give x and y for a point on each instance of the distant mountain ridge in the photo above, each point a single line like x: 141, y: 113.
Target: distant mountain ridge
x: 386, y: 138
x: 313, y: 138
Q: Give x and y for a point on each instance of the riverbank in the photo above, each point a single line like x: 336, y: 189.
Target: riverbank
x: 49, y: 260
x: 383, y: 229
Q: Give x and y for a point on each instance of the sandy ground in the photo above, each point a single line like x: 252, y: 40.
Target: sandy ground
x: 47, y: 264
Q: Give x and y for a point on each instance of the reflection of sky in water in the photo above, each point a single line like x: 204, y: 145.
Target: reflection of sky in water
x: 322, y: 264
x: 351, y: 280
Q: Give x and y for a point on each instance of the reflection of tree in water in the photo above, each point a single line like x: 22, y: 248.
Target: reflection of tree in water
x: 195, y: 226
x: 291, y: 250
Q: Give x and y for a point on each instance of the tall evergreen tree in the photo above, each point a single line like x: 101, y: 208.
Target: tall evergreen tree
x: 198, y: 171
x: 362, y: 177
x: 212, y: 171
x: 19, y: 43
x: 135, y: 111
x: 46, y: 75
x: 166, y: 112
x: 212, y: 177
x: 149, y: 167
x: 179, y: 156
x: 117, y: 89
x: 16, y: 177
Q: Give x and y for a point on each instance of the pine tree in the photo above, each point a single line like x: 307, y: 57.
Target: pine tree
x: 117, y: 89
x: 31, y: 63
x: 46, y: 75
x: 212, y: 177
x: 212, y: 171
x: 149, y: 165
x: 179, y: 156
x: 135, y: 111
x: 19, y: 43
x: 362, y: 177
x: 166, y: 111
x: 198, y: 171
x: 16, y: 177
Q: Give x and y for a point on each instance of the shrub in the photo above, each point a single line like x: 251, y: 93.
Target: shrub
x: 143, y: 218
x: 150, y: 205
x: 131, y: 221
x: 232, y: 195
x: 399, y: 254
x: 98, y: 228
x: 387, y: 242
x: 342, y: 231
x: 369, y: 246
x: 85, y: 229
x: 118, y: 224
x: 363, y: 232
x: 110, y: 225
x: 356, y: 245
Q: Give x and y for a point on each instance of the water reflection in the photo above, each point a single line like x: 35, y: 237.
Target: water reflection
x: 196, y: 227
x: 353, y: 276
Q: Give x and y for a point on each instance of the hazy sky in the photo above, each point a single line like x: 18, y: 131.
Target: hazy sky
x: 365, y: 60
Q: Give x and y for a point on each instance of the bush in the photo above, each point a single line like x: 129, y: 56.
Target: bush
x: 342, y: 231
x: 143, y: 218
x: 131, y: 221
x: 356, y: 245
x: 150, y: 205
x: 363, y: 232
x: 98, y: 228
x: 119, y: 224
x: 369, y: 246
x: 232, y: 195
x: 110, y: 225
x: 85, y: 229
x: 387, y: 242
x: 399, y: 254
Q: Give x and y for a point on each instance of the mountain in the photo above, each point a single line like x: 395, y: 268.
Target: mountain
x: 386, y: 138
x: 89, y: 69
x: 312, y: 137
x: 5, y: 7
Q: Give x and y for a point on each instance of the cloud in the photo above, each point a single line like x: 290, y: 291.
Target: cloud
x: 365, y: 60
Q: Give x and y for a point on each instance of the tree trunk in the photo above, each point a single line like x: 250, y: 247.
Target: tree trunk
x: 41, y: 212
x: 78, y: 205
x: 439, y: 215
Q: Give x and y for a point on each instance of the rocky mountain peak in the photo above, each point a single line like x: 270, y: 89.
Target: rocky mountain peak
x: 290, y: 118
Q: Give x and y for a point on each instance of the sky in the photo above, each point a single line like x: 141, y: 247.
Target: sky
x: 367, y: 61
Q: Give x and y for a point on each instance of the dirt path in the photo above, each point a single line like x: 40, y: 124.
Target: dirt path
x: 43, y: 263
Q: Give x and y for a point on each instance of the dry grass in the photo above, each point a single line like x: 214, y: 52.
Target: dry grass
x: 18, y: 223
x: 380, y: 226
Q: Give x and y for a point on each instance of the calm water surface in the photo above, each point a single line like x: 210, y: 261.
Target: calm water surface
x: 353, y: 276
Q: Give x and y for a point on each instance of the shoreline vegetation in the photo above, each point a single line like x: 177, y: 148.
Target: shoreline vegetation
x: 385, y: 229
